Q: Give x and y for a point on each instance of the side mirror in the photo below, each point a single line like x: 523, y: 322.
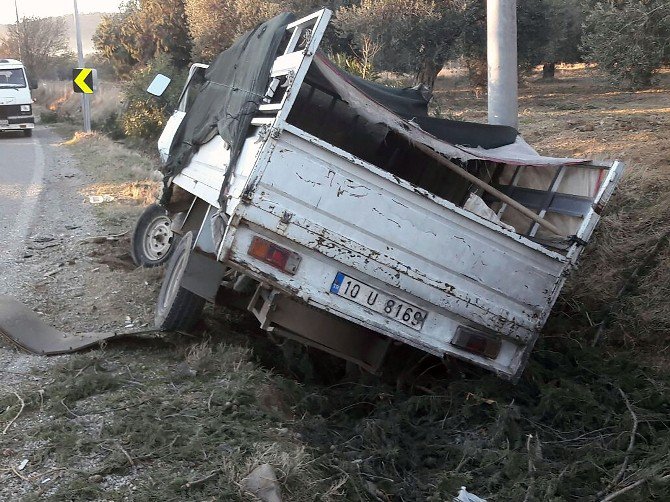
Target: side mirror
x: 158, y: 85
x: 32, y: 83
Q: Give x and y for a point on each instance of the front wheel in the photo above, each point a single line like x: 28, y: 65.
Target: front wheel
x: 178, y: 309
x: 152, y: 240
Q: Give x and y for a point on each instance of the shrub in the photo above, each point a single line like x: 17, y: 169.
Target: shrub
x: 355, y: 66
x: 629, y: 39
x: 145, y: 115
x: 48, y: 117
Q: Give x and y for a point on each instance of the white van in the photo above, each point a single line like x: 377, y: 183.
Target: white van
x: 16, y: 103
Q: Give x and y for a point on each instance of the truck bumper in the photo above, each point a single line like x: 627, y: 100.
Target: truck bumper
x: 17, y: 123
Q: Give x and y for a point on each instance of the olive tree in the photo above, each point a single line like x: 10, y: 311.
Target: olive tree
x: 628, y: 39
x: 564, y: 33
x: 415, y: 36
x: 143, y: 30
x: 214, y: 25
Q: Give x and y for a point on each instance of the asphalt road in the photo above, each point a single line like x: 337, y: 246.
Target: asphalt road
x: 21, y: 183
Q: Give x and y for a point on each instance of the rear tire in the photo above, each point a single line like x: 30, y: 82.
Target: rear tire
x: 178, y: 309
x: 152, y: 241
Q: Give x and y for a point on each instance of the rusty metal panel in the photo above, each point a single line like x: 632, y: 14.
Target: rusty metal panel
x: 441, y: 255
x: 312, y: 284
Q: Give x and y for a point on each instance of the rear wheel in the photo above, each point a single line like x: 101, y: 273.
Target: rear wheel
x: 152, y: 240
x: 178, y: 308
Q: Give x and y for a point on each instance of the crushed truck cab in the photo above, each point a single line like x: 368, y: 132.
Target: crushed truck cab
x: 343, y: 216
x: 16, y: 103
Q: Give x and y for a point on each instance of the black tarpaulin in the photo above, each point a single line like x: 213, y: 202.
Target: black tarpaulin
x: 234, y: 88
x: 470, y: 134
x: 407, y: 102
x: 411, y: 103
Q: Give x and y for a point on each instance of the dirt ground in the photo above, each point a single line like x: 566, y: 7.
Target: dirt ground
x: 170, y: 417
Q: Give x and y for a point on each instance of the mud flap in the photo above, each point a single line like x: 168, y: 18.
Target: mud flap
x: 22, y: 327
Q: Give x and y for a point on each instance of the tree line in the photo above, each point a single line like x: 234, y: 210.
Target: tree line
x: 41, y: 44
x: 628, y: 39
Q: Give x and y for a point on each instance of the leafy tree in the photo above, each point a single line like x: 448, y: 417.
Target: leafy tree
x: 629, y: 39
x: 115, y: 42
x: 533, y: 36
x: 565, y: 19
x: 40, y: 42
x: 414, y: 35
x: 144, y: 115
x: 214, y: 25
x: 142, y: 30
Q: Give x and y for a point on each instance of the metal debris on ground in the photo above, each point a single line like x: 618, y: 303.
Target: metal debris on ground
x: 24, y: 328
x: 465, y: 496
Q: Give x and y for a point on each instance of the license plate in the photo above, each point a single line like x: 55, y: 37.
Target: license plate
x: 4, y: 122
x: 387, y: 305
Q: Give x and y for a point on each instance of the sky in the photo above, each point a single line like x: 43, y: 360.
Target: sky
x: 47, y: 8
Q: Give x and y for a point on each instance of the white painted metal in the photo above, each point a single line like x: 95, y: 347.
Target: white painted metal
x: 346, y: 218
x: 165, y: 139
x: 12, y: 96
x: 176, y: 118
x: 502, y: 62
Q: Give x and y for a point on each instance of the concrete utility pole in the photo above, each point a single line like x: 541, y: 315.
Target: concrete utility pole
x: 18, y: 30
x: 85, y: 103
x: 502, y: 62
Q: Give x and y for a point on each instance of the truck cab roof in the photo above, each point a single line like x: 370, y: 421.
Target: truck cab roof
x: 10, y: 63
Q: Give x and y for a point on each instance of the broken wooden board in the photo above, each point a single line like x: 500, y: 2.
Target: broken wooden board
x: 24, y: 328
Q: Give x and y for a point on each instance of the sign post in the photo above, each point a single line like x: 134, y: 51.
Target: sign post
x: 85, y: 103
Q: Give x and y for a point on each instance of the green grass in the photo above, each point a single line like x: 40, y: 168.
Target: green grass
x: 164, y: 413
x: 167, y: 417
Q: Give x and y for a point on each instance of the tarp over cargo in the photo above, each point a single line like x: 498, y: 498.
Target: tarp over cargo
x: 455, y: 139
x: 234, y: 88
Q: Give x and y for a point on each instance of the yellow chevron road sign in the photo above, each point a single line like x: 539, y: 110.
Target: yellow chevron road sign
x: 84, y: 80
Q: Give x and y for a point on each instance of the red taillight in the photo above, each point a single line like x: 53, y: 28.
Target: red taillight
x: 275, y: 255
x: 477, y: 342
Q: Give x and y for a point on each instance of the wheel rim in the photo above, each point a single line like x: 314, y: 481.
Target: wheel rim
x: 158, y: 238
x: 174, y: 279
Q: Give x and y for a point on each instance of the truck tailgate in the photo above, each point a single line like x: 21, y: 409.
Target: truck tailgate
x: 345, y: 217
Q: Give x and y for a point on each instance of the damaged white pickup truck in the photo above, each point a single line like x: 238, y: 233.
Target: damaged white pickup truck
x: 343, y: 216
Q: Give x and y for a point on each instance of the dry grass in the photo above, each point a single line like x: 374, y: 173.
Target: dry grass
x: 127, y: 175
x: 110, y: 161
x: 140, y: 193
x: 58, y: 96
